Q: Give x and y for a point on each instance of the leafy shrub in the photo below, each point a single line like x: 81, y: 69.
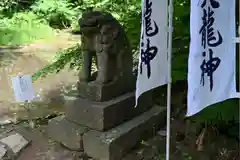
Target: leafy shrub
x: 71, y: 56
x: 9, y: 7
x: 58, y: 13
x: 22, y: 28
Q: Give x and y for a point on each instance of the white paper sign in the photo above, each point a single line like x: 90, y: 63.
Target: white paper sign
x: 212, y: 57
x: 23, y: 89
x: 153, y: 63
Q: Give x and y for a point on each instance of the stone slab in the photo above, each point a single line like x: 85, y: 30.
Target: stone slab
x: 105, y: 115
x: 11, y: 145
x: 67, y: 133
x: 105, y: 92
x: 3, y: 151
x: 26, y: 132
x: 16, y: 142
x: 6, y: 153
x: 117, y: 142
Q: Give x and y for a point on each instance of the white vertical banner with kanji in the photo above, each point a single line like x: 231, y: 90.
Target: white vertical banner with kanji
x: 153, y: 63
x: 212, y: 57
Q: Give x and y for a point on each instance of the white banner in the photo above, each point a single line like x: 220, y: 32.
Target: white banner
x: 212, y: 57
x: 153, y: 65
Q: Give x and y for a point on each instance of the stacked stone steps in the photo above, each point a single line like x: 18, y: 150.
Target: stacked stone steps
x: 106, y: 130
x: 112, y: 144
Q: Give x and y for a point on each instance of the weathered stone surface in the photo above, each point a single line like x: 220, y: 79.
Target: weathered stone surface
x: 3, y: 151
x: 11, y: 144
x: 25, y: 132
x: 105, y: 92
x: 105, y: 115
x: 15, y: 142
x: 67, y: 133
x: 115, y: 143
x: 103, y: 37
x: 6, y: 153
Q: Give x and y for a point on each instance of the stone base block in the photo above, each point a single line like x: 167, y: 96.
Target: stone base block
x: 105, y: 115
x: 105, y: 92
x: 12, y: 144
x: 115, y: 143
x: 67, y: 133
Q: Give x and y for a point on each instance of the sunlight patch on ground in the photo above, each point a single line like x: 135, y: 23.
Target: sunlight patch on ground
x: 47, y: 49
x: 27, y: 60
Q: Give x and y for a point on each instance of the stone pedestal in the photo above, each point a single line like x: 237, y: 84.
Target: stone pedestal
x: 102, y: 121
x: 115, y: 143
x: 112, y: 144
x: 105, y: 115
x: 69, y: 134
x: 105, y: 92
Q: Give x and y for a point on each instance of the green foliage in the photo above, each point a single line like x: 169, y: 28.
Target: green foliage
x: 181, y: 39
x: 71, y: 56
x: 58, y: 13
x: 9, y: 7
x: 223, y: 112
x: 23, y: 27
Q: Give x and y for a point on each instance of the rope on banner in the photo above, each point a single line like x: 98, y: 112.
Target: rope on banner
x: 170, y: 30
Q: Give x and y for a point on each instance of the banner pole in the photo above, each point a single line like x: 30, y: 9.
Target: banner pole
x: 170, y: 30
x: 239, y: 52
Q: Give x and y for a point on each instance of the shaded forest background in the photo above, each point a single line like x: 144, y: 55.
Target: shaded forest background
x: 26, y: 21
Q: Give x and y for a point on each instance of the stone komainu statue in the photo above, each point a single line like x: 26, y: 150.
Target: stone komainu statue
x: 104, y: 37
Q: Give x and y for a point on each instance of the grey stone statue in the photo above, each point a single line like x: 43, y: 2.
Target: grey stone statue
x: 103, y: 37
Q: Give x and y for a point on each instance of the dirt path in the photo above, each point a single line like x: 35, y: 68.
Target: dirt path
x: 27, y: 60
